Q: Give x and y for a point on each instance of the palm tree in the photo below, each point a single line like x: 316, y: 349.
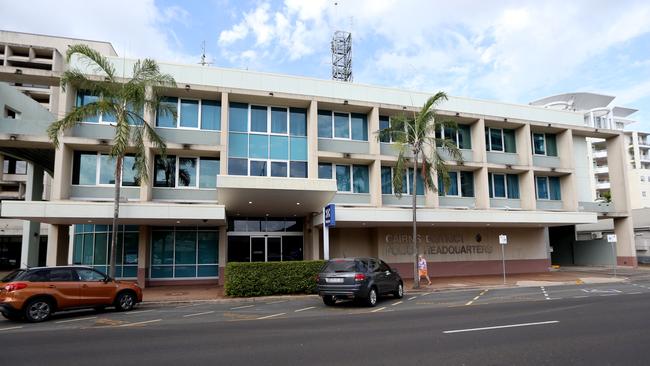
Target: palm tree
x: 415, y: 138
x: 120, y: 98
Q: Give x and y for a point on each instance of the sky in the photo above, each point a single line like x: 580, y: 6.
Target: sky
x: 511, y: 51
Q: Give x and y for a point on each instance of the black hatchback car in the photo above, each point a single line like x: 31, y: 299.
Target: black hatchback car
x: 363, y: 279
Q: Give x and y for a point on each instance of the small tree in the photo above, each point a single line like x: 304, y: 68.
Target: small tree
x: 125, y: 100
x: 415, y: 138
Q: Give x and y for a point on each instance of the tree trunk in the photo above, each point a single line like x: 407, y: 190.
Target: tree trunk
x: 416, y: 278
x: 116, y: 211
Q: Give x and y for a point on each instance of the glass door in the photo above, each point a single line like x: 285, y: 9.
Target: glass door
x: 258, y: 249
x: 274, y: 248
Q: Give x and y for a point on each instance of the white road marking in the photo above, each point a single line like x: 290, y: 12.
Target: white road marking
x: 138, y: 312
x: 75, y: 320
x: 303, y: 309
x: 411, y: 298
x: 635, y: 293
x: 139, y: 323
x: 545, y: 293
x: 397, y: 303
x: 276, y: 302
x: 186, y: 306
x: 271, y: 316
x: 500, y: 327
x: 426, y: 293
x: 242, y: 307
x: 608, y: 294
x: 580, y: 297
x: 476, y: 298
x: 197, y: 314
x: 376, y: 310
x: 10, y: 328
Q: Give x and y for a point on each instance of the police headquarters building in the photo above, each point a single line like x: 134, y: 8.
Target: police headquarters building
x: 253, y: 158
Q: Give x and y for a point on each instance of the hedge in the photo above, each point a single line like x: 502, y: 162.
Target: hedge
x: 271, y: 278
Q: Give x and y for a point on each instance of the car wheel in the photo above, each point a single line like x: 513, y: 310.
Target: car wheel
x: 329, y: 300
x: 125, y: 301
x: 12, y: 317
x: 38, y: 310
x: 399, y: 293
x: 371, y: 300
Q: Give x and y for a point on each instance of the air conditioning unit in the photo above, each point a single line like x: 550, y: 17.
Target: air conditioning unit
x: 597, y: 235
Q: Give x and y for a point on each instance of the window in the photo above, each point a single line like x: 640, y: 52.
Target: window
x: 548, y: 188
x: 349, y: 178
x: 544, y: 144
x: 273, y: 144
x: 190, y: 113
x: 503, y: 185
x: 178, y: 252
x: 343, y: 125
x: 461, y: 185
x: 11, y: 113
x: 643, y: 194
x: 95, y: 168
x: 324, y: 171
x: 387, y: 187
x: 191, y: 172
x: 13, y: 166
x: 88, y: 275
x: 84, y: 97
x: 497, y: 139
x: 384, y: 123
x: 91, y: 247
x: 460, y: 137
x: 63, y: 275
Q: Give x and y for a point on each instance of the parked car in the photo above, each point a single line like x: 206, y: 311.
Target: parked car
x: 35, y: 293
x: 363, y: 279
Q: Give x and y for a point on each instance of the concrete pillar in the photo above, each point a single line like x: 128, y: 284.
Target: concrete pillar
x: 625, y: 246
x: 146, y: 188
x: 223, y: 156
x: 527, y: 190
x: 477, y: 130
x: 373, y: 126
x: 2, y: 165
x: 618, y: 167
x: 482, y: 188
x: 58, y: 245
x: 567, y: 161
x: 144, y: 241
x: 524, y: 146
x: 312, y: 140
x: 62, y: 173
x: 32, y: 229
x: 223, y: 253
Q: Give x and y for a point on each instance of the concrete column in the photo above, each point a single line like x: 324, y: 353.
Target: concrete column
x: 373, y: 126
x: 567, y: 161
x: 635, y: 150
x: 477, y: 130
x: 144, y: 241
x: 223, y: 252
x: 524, y: 146
x: 2, y: 165
x: 565, y: 149
x: 618, y: 167
x: 527, y: 190
x: 312, y: 140
x: 375, y: 183
x: 223, y: 156
x: 482, y: 188
x: 625, y: 247
x: 568, y: 192
x: 62, y: 173
x: 146, y: 188
x: 58, y: 245
x: 32, y: 229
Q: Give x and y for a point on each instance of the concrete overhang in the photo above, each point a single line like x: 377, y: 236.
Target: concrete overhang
x: 258, y: 196
x: 380, y: 217
x: 133, y: 213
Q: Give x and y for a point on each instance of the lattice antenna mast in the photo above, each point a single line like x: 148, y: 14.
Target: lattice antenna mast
x: 342, y: 56
x: 204, y: 61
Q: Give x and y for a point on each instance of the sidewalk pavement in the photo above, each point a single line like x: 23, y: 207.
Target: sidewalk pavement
x: 582, y: 275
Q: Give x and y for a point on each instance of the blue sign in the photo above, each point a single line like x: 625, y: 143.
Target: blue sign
x: 330, y: 215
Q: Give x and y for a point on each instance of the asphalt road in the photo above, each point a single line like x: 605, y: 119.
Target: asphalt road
x: 577, y: 325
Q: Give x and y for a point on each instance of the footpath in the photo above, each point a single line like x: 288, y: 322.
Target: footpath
x: 568, y: 276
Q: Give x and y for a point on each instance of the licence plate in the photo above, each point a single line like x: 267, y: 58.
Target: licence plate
x: 334, y: 280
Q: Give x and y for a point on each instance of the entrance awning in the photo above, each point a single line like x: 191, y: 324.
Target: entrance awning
x: 259, y: 196
x: 147, y: 213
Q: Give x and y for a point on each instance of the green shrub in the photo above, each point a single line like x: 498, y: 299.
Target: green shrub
x: 271, y: 278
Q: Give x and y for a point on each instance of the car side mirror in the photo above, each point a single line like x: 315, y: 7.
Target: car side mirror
x: 107, y: 279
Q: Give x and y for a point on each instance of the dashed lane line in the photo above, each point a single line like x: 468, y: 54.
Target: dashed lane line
x: 635, y: 293
x: 75, y: 320
x: 271, y: 316
x: 10, y: 328
x: 198, y: 314
x: 545, y: 293
x: 476, y: 298
x: 138, y: 312
x: 580, y: 297
x: 304, y: 309
x: 139, y: 323
x: 242, y: 307
x: 276, y: 302
x: 397, y: 303
x: 411, y: 298
x: 186, y: 306
x: 376, y: 310
x: 500, y: 327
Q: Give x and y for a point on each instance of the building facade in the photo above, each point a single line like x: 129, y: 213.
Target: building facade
x: 253, y: 158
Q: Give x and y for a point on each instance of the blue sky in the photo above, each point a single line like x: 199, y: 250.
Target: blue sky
x: 513, y: 51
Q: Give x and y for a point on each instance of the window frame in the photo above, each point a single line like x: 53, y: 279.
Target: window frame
x: 409, y: 185
x: 544, y: 153
x: 456, y: 139
x: 491, y: 194
x: 548, y: 188
x: 173, y: 264
x: 351, y: 171
x: 177, y: 170
x: 349, y: 116
x: 199, y: 115
x: 98, y: 155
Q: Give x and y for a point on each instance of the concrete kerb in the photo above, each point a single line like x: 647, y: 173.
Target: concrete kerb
x: 226, y: 300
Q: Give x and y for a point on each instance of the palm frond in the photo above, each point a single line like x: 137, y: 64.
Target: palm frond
x: 90, y: 56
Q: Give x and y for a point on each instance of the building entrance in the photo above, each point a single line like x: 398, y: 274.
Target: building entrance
x: 265, y: 240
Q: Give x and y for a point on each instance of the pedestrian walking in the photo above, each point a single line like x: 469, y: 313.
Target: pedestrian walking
x: 422, y: 268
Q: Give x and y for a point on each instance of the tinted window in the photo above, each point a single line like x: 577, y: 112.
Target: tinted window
x: 374, y: 266
x: 13, y: 275
x: 343, y: 266
x: 383, y: 267
x: 36, y: 276
x: 89, y: 275
x: 61, y: 275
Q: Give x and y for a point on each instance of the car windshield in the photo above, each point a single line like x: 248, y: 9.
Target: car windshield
x: 13, y: 275
x: 343, y: 266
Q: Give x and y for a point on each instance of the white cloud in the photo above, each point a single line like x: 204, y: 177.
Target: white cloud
x: 135, y: 28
